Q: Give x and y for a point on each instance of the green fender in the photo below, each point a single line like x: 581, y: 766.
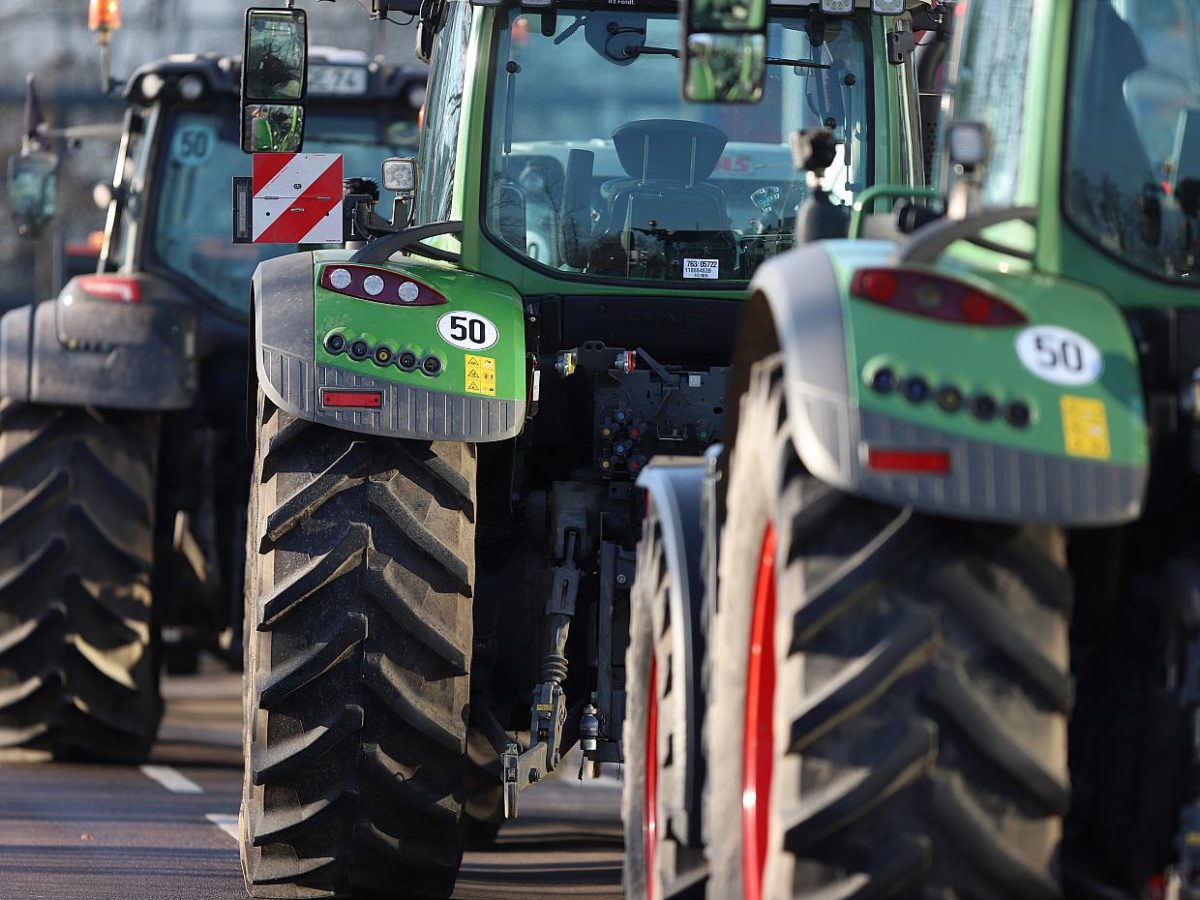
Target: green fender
x: 447, y: 365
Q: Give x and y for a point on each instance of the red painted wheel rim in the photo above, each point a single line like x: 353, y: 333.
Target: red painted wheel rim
x: 650, y: 809
x: 758, y: 746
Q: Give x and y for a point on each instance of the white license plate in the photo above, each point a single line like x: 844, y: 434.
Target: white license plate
x: 340, y: 80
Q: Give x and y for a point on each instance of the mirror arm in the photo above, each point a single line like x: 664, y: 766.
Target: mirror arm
x: 381, y: 249
x: 930, y: 242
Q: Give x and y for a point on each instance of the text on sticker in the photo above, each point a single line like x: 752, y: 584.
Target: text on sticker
x: 480, y: 375
x: 1085, y: 427
x: 701, y: 268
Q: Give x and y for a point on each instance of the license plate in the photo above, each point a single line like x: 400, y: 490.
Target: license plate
x: 340, y: 80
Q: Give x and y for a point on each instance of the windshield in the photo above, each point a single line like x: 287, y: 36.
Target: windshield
x: 1132, y: 182
x: 599, y: 167
x: 192, y: 219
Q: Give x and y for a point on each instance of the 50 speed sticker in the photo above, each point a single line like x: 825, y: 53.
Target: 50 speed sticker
x: 1059, y: 355
x: 468, y: 330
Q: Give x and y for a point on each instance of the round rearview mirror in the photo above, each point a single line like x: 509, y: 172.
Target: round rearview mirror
x: 33, y: 190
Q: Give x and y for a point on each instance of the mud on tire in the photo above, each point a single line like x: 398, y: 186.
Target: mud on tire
x: 361, y: 563
x: 78, y: 677
x: 919, y: 726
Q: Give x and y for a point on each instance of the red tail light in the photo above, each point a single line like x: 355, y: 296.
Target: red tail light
x: 335, y: 399
x: 911, y: 462
x: 112, y: 287
x: 933, y: 296
x: 378, y: 286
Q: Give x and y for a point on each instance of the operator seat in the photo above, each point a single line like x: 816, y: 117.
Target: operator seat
x: 665, y: 191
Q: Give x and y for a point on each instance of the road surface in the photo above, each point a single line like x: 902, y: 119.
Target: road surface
x: 165, y: 831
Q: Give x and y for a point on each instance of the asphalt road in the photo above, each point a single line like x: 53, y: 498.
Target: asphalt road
x: 165, y: 831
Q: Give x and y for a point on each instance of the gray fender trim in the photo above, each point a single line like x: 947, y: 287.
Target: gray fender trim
x: 290, y: 376
x: 99, y: 353
x: 676, y: 487
x: 802, y: 298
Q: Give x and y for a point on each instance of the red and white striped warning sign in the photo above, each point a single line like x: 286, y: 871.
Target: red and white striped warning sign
x: 297, y: 198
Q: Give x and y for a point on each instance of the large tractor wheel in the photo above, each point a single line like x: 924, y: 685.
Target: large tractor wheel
x: 361, y: 566
x: 78, y: 678
x: 891, y: 690
x: 658, y: 864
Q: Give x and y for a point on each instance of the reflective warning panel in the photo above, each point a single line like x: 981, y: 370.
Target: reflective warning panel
x: 292, y: 198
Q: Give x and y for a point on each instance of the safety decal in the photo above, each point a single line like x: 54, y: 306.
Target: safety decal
x: 701, y: 268
x: 292, y: 198
x: 193, y: 145
x: 468, y: 330
x: 480, y: 375
x: 1085, y: 427
x: 1059, y: 355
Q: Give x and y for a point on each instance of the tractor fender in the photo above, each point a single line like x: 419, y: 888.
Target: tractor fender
x: 297, y: 377
x: 797, y: 307
x: 118, y: 342
x: 676, y: 488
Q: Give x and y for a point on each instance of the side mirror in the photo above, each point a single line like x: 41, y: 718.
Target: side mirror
x: 724, y: 68
x: 274, y: 80
x: 724, y: 50
x: 33, y: 190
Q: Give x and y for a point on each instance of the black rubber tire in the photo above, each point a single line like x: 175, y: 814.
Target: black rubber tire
x: 361, y: 562
x: 78, y: 673
x: 483, y: 795
x: 651, y: 634
x: 922, y: 693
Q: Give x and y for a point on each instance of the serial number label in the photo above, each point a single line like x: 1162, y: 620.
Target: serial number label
x: 1085, y: 427
x: 701, y: 268
x: 481, y: 375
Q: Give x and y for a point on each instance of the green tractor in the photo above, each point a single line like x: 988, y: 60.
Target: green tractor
x: 451, y: 419
x: 123, y: 458
x: 948, y: 562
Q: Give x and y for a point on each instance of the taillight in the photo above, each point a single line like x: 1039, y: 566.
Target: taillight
x: 378, y: 286
x: 910, y: 462
x: 112, y: 287
x: 933, y: 296
x: 335, y: 399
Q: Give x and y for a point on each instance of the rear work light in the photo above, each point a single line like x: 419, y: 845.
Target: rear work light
x: 933, y: 296
x: 910, y: 462
x: 378, y: 286
x: 338, y: 399
x: 112, y: 287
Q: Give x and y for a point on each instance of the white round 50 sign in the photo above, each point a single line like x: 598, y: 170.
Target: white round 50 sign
x: 1059, y: 355
x: 468, y: 330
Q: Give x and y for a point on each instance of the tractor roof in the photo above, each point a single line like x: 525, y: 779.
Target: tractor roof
x: 189, y: 77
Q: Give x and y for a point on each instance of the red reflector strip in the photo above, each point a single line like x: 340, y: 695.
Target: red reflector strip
x: 351, y: 399
x: 917, y: 462
x: 112, y: 287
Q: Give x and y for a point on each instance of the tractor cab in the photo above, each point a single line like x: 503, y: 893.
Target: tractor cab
x: 169, y: 209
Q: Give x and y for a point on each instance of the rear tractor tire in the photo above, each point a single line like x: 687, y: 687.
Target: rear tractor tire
x: 891, y: 690
x: 358, y: 649
x: 78, y: 674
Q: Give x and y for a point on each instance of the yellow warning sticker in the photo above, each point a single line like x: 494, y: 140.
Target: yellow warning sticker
x: 481, y: 375
x: 1085, y: 427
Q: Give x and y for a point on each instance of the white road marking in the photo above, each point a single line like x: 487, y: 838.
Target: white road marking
x: 226, y: 822
x: 175, y: 782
